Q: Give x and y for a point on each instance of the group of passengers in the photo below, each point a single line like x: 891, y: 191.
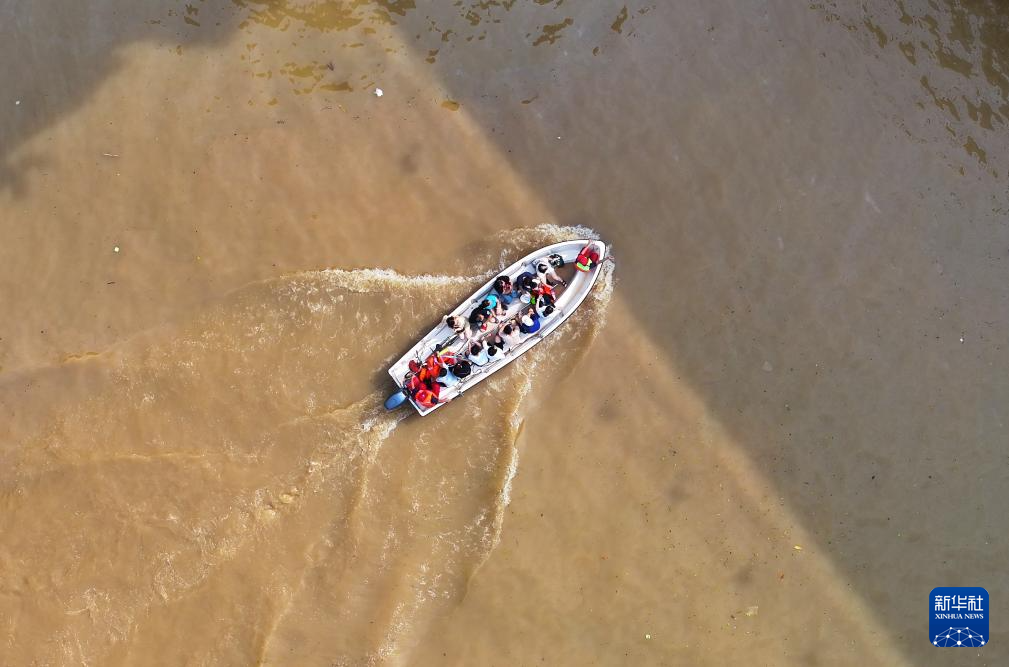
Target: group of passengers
x: 489, y: 331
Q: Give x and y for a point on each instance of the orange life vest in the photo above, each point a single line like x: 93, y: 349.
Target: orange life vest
x: 425, y: 398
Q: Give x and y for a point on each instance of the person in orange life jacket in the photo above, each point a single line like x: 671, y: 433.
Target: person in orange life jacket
x: 587, y: 258
x: 426, y: 398
x: 545, y: 291
x: 548, y: 274
x: 530, y: 321
x: 504, y: 290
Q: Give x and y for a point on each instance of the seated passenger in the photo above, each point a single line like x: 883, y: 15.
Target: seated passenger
x: 507, y: 336
x: 480, y: 321
x: 494, y: 304
x: 527, y: 281
x: 478, y: 354
x: 548, y: 274
x: 503, y: 289
x: 530, y: 321
x: 545, y: 305
x: 447, y: 379
x: 458, y: 325
x: 462, y: 369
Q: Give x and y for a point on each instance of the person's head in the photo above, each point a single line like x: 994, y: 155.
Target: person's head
x: 541, y: 267
x: 442, y: 372
x: 453, y: 322
x: 548, y: 311
x: 508, y: 329
x: 485, y: 304
x: 461, y: 369
x: 492, y: 350
x: 476, y: 349
x: 527, y: 320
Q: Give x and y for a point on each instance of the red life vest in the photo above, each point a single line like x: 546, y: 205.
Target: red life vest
x: 586, y: 258
x: 414, y: 383
x: 425, y: 398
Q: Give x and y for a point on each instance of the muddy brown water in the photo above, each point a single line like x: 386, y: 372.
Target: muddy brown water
x: 776, y: 426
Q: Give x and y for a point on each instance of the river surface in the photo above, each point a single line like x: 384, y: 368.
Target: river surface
x: 777, y: 424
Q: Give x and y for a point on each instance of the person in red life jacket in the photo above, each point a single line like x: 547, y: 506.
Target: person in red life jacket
x: 587, y: 258
x: 426, y: 398
x: 545, y: 293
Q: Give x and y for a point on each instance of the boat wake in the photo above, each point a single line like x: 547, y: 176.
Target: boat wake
x: 235, y: 477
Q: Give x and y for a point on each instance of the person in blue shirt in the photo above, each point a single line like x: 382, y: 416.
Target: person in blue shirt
x: 530, y: 321
x: 504, y: 290
x: 478, y: 354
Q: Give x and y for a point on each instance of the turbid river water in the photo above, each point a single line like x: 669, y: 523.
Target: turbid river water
x: 774, y: 428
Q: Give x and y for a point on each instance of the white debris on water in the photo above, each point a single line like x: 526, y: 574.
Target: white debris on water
x: 379, y: 92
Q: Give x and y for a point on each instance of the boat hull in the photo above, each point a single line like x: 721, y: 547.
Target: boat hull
x: 566, y: 303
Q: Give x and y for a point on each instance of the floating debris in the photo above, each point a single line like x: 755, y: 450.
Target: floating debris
x: 379, y: 92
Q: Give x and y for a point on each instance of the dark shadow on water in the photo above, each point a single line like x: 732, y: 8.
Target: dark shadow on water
x: 57, y: 54
x: 818, y: 314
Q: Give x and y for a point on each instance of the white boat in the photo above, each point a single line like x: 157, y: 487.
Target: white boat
x: 442, y: 339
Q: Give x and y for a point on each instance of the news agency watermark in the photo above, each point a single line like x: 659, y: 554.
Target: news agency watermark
x: 958, y: 616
